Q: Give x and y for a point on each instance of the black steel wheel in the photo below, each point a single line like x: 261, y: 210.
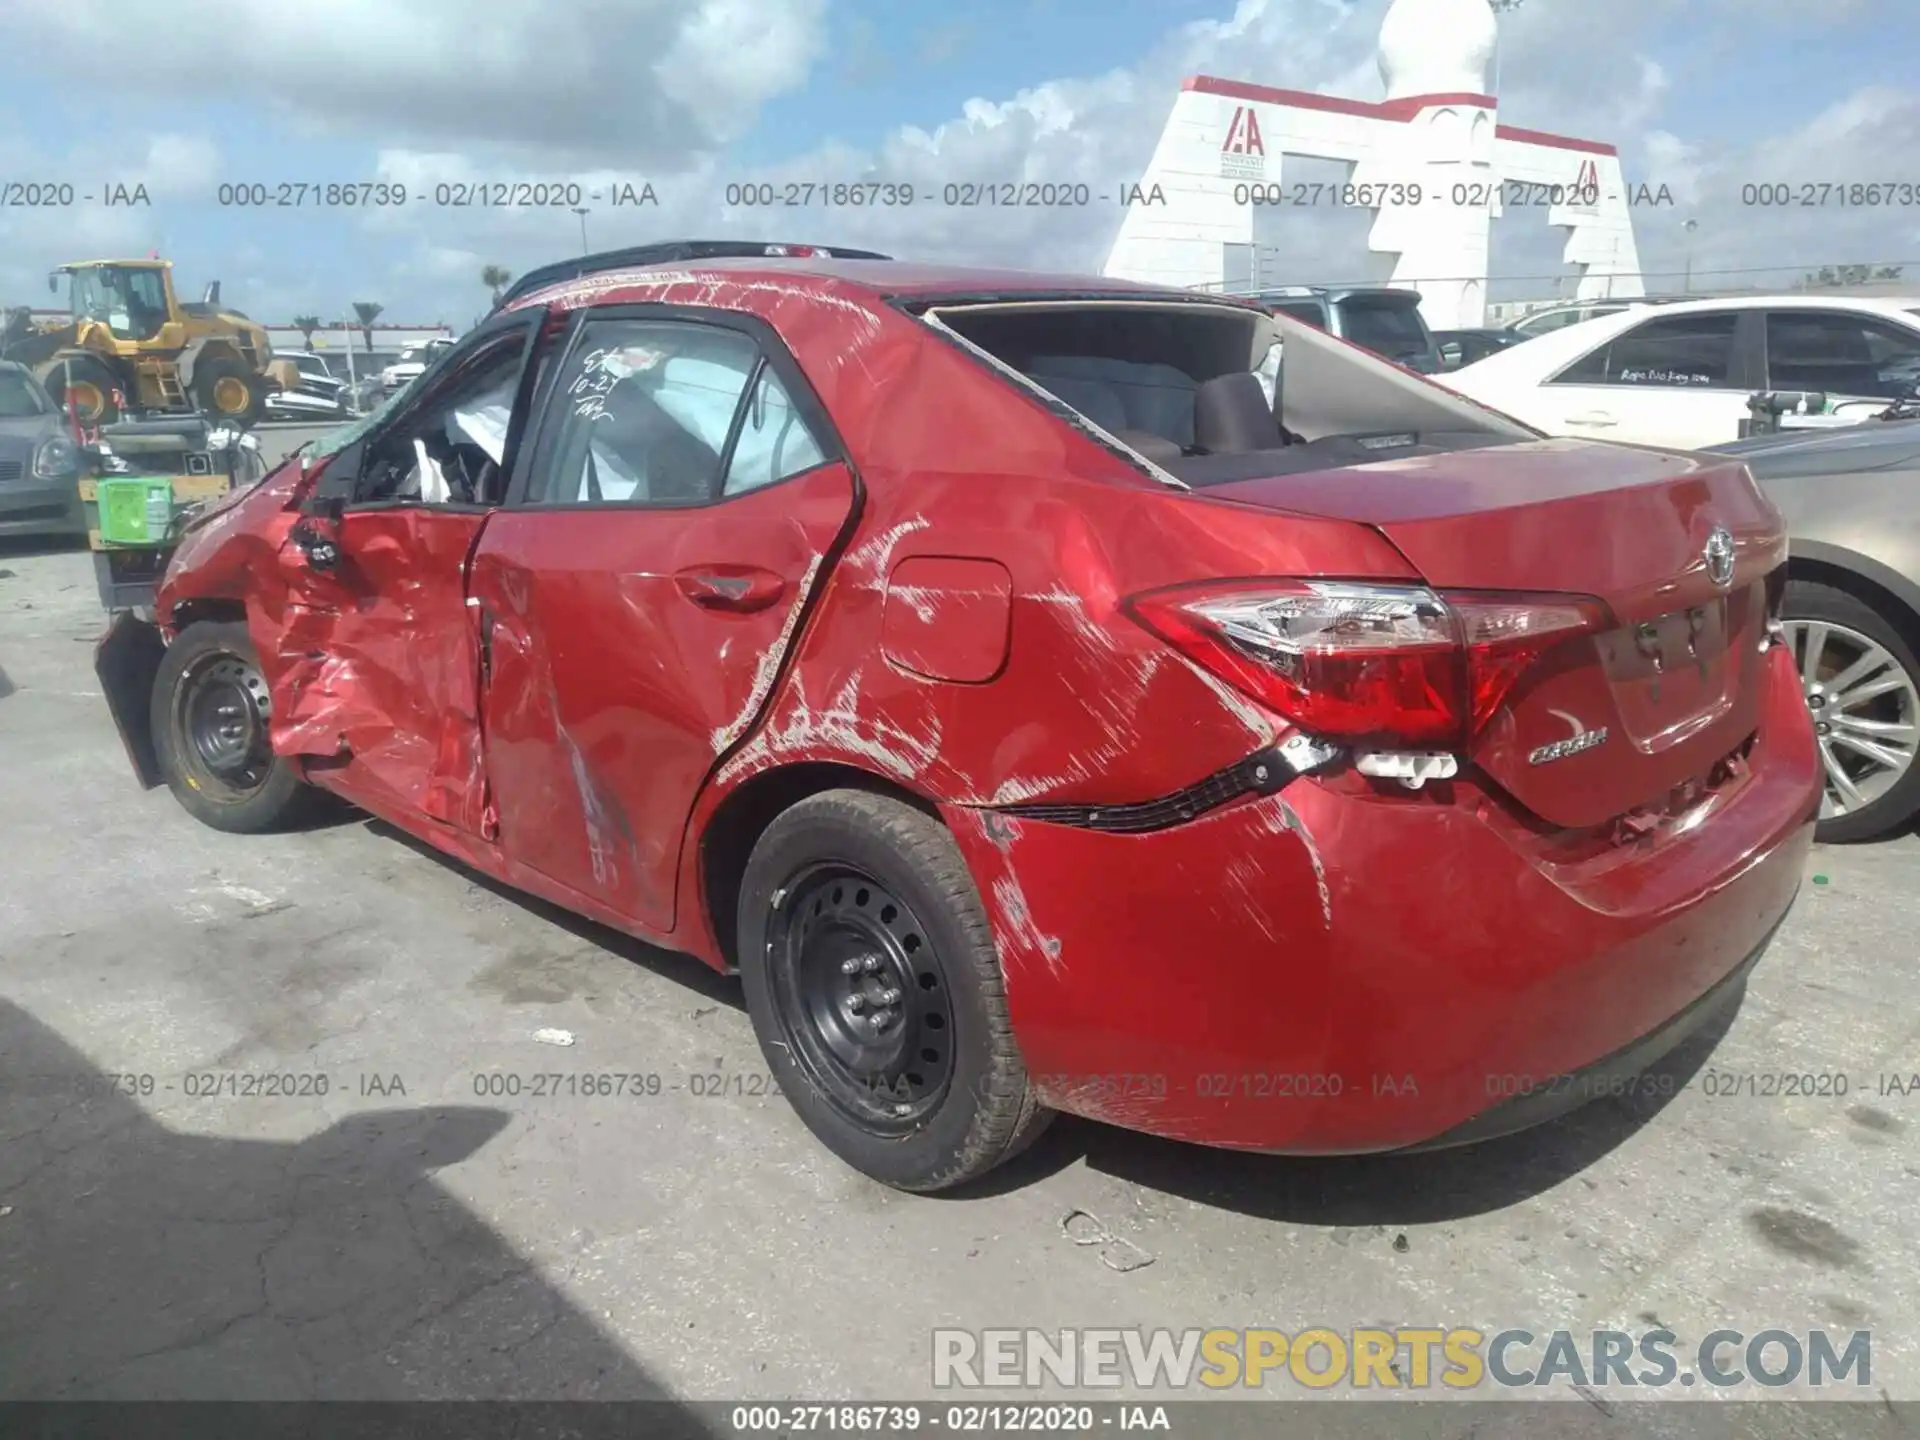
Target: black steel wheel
x: 861, y: 997
x: 876, y: 992
x: 223, y: 709
x: 211, y: 712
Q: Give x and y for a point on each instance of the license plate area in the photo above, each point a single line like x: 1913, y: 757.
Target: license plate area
x: 1673, y: 674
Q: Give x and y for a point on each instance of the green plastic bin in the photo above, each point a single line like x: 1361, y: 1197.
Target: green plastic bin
x: 134, y: 509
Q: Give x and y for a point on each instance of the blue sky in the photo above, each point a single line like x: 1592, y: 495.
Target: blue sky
x: 1704, y: 94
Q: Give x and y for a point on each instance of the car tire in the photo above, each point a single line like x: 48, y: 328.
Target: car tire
x: 850, y: 898
x: 209, y: 685
x: 1845, y: 626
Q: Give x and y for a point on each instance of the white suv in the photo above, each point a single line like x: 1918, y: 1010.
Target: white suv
x: 413, y: 360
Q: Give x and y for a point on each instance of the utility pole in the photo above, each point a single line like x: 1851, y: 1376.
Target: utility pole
x: 581, y: 211
x: 1690, y: 226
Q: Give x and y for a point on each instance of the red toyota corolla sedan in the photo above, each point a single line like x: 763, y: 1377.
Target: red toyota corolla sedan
x: 1047, y: 693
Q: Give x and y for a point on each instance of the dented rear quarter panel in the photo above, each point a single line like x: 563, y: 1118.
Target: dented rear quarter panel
x: 957, y: 464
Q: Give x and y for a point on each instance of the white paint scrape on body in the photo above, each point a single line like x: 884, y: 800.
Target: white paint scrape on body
x: 873, y: 554
x: 1014, y: 927
x: 840, y: 725
x: 769, y: 665
x: 1110, y: 683
x: 919, y: 599
x: 1262, y: 725
x: 1287, y: 821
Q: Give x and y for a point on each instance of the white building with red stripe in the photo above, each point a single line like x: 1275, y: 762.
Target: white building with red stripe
x: 1431, y: 161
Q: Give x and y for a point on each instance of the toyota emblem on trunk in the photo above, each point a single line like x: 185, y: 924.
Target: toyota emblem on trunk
x: 1719, y: 556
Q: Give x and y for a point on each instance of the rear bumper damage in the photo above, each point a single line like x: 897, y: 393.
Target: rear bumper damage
x: 1335, y: 969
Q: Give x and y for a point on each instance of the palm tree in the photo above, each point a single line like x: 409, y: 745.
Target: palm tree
x: 495, y: 278
x: 306, y: 325
x: 367, y: 312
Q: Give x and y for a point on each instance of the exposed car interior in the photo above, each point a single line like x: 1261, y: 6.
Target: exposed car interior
x: 452, y: 451
x: 1211, y: 393
x: 647, y: 409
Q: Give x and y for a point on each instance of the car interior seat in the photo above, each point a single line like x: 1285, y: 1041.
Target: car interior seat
x: 1232, y: 416
x: 1153, y: 397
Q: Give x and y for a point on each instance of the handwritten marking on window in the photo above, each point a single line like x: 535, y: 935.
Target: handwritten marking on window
x: 601, y: 370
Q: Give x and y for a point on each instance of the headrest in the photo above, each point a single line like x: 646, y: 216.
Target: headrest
x: 1231, y: 416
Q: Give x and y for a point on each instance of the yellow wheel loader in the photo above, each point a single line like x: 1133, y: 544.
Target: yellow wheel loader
x: 131, y: 348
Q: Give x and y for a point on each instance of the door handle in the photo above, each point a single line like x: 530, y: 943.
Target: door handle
x: 738, y: 588
x: 1600, y: 419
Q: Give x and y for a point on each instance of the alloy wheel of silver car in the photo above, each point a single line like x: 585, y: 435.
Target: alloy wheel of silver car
x: 1866, y: 712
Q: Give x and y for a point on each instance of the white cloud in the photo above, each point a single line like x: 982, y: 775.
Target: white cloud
x: 648, y: 79
x: 33, y: 238
x: 184, y: 166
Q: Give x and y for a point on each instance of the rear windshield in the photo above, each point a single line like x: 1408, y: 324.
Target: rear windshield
x: 1208, y: 394
x: 20, y: 398
x: 1385, y: 327
x: 1306, y: 311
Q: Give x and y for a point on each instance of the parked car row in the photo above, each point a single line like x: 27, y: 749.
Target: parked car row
x: 323, y: 395
x: 39, y: 462
x: 953, y: 655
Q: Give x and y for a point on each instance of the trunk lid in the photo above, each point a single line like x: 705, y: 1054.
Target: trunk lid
x: 1675, y: 676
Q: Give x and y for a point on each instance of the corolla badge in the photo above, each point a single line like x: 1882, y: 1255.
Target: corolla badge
x: 1581, y: 739
x: 1719, y: 557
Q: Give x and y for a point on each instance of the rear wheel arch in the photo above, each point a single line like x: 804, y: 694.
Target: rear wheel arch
x: 876, y: 991
x: 736, y: 826
x: 1899, y: 610
x: 1866, y: 614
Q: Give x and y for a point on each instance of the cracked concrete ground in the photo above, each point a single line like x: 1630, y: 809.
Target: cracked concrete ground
x: 419, y: 1231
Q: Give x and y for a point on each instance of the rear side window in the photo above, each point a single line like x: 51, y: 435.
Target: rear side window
x: 1395, y: 331
x: 1847, y: 354
x: 1677, y: 352
x: 774, y: 441
x: 1306, y: 311
x: 1547, y: 320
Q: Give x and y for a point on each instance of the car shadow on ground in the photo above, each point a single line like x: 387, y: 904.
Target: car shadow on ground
x: 1373, y: 1190
x: 1339, y: 1191
x: 144, y: 1261
x: 27, y: 547
x: 1336, y: 1192
x: 684, y: 969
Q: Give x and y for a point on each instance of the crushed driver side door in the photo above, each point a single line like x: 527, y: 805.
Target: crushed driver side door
x: 375, y: 673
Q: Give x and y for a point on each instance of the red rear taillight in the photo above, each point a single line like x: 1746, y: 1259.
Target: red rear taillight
x: 1385, y: 664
